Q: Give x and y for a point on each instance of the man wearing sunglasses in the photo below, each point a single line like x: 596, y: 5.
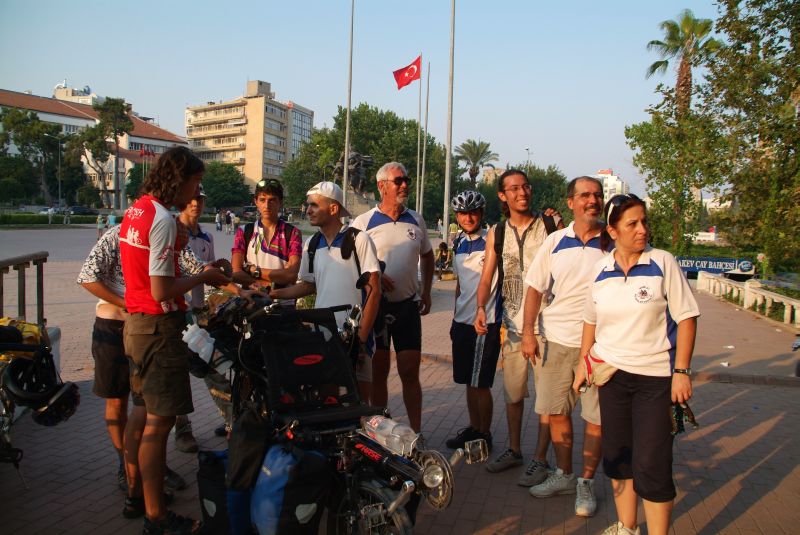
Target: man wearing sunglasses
x: 401, y: 240
x: 267, y: 253
x: 563, y: 268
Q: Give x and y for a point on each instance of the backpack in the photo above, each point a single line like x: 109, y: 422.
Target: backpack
x: 250, y: 228
x: 348, y: 248
x: 500, y: 238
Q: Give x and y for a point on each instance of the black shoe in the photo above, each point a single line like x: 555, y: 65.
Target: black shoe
x: 134, y: 505
x: 171, y: 524
x: 173, y: 480
x: 464, y: 435
x: 221, y: 431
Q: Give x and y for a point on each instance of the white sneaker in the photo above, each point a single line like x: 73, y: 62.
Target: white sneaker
x: 556, y: 483
x: 618, y: 529
x: 585, y: 502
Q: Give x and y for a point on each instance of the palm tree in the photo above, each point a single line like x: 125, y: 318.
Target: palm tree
x: 476, y: 154
x: 687, y: 40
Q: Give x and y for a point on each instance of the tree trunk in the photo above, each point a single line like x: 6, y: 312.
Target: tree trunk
x: 683, y: 88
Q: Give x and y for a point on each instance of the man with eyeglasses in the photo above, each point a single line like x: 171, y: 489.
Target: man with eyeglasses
x: 510, y: 248
x: 563, y: 268
x: 267, y: 253
x: 401, y: 240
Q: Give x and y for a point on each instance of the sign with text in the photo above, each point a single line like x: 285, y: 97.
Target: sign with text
x: 715, y: 265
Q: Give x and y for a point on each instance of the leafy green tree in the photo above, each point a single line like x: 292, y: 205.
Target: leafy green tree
x: 224, y: 186
x: 378, y: 133
x: 33, y: 140
x: 475, y: 154
x: 115, y: 121
x: 753, y: 92
x: 15, y: 180
x: 134, y: 181
x: 91, y: 146
x: 88, y: 195
x: 687, y: 40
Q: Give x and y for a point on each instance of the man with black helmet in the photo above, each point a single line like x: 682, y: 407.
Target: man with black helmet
x: 474, y: 356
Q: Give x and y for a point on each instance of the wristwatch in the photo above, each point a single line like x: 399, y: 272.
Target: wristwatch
x: 685, y: 371
x: 257, y: 273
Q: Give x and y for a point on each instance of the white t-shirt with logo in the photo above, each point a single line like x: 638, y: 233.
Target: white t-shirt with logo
x: 399, y: 244
x: 468, y: 259
x: 637, y: 315
x: 563, y: 268
x: 335, y: 277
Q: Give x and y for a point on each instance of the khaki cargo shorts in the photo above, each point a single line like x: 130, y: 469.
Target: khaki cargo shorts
x: 555, y: 374
x: 516, y: 368
x: 159, y: 362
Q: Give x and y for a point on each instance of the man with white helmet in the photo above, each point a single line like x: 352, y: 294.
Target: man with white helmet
x: 474, y: 355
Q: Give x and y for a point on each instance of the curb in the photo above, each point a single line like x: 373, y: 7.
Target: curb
x: 699, y: 377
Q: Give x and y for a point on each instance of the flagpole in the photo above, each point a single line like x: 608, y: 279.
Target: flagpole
x: 346, y: 176
x: 425, y: 144
x: 446, y: 210
x: 419, y: 135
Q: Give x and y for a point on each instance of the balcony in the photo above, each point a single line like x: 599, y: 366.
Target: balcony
x: 218, y: 147
x: 211, y: 118
x: 217, y: 132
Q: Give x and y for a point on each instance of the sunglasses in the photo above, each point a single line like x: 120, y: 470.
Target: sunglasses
x: 269, y: 182
x: 617, y: 201
x: 517, y: 189
x: 398, y: 180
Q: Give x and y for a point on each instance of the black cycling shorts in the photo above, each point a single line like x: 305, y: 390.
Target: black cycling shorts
x: 475, y: 357
x: 398, y: 323
x: 111, y: 368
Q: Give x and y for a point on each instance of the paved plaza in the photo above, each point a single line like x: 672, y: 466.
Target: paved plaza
x: 737, y: 474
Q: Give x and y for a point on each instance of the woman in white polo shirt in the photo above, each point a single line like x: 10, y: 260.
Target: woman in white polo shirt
x: 641, y: 318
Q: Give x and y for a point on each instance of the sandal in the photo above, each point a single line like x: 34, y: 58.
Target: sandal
x: 134, y: 505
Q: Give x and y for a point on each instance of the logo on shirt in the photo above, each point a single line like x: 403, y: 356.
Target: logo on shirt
x: 644, y: 294
x: 412, y: 234
x: 133, y: 236
x: 165, y: 253
x: 134, y: 213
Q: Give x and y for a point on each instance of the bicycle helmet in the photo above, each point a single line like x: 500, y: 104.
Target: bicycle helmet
x: 30, y: 383
x: 467, y: 201
x: 60, y: 406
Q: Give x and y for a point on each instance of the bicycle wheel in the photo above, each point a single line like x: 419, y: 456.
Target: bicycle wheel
x: 368, y: 516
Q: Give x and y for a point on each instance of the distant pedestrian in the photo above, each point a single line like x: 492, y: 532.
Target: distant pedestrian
x: 101, y: 226
x: 50, y: 212
x: 112, y: 220
x: 66, y: 216
x: 228, y: 222
x: 236, y: 221
x: 218, y: 220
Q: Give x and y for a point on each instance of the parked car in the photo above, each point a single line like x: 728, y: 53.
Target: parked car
x: 82, y: 210
x: 250, y: 213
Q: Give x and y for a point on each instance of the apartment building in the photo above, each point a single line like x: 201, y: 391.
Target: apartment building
x: 612, y: 184
x: 256, y: 133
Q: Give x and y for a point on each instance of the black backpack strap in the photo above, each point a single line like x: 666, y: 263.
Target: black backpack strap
x: 287, y: 233
x: 313, y: 245
x: 349, y: 246
x: 549, y: 223
x: 499, y: 241
x: 248, y: 234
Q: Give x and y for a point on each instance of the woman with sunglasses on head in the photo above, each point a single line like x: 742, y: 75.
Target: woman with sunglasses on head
x: 641, y: 318
x: 267, y: 253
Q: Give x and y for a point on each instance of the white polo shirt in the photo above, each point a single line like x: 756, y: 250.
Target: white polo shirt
x: 467, y: 267
x: 336, y: 277
x: 399, y: 244
x: 637, y: 315
x: 563, y: 267
x: 202, y: 245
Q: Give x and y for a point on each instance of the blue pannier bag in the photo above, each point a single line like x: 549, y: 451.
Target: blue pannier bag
x: 291, y: 492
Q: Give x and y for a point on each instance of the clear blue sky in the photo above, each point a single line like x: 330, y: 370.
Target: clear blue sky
x: 563, y: 78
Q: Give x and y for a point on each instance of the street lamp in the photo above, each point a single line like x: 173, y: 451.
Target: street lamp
x: 60, y: 142
x: 528, y: 150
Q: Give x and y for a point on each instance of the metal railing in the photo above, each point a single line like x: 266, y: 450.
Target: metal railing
x: 20, y: 264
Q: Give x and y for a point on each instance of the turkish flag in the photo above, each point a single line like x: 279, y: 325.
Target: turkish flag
x: 406, y: 75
